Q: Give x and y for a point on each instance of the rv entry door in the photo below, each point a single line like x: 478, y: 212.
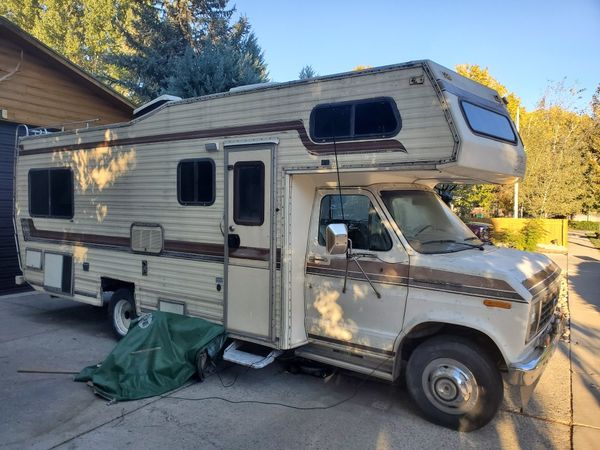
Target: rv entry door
x: 249, y: 224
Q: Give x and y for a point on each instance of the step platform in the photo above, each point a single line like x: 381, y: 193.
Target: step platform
x: 250, y: 355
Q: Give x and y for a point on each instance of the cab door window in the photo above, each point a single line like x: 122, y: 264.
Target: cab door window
x: 365, y: 229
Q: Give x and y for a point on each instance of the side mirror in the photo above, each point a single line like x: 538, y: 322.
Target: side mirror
x: 336, y: 238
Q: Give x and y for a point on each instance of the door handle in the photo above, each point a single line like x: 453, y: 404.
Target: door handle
x: 317, y: 259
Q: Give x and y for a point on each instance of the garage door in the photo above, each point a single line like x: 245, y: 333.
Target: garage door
x: 9, y: 265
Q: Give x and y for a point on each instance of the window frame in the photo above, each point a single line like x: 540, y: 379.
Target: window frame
x: 353, y: 136
x: 214, y: 181
x: 373, y: 205
x: 482, y: 133
x: 50, y: 215
x: 236, y: 197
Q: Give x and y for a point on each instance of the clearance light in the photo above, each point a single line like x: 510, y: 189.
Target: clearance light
x: 497, y: 304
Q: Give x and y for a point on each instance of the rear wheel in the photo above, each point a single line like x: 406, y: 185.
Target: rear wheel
x: 454, y: 382
x: 121, y: 311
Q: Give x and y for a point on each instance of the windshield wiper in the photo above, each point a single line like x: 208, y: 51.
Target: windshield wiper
x: 450, y: 241
x: 441, y: 241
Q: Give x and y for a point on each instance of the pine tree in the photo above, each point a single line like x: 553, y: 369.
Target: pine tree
x: 189, y: 48
x: 307, y: 72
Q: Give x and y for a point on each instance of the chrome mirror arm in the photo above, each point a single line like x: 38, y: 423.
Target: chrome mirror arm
x: 354, y: 257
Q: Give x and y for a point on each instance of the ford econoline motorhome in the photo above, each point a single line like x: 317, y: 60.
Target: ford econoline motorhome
x: 302, y: 216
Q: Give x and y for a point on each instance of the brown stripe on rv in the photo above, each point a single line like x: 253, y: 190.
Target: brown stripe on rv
x: 542, y: 279
x: 30, y: 232
x: 375, y: 145
x: 317, y: 337
x: 398, y: 274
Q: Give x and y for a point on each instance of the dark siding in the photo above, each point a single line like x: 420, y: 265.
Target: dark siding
x: 9, y: 265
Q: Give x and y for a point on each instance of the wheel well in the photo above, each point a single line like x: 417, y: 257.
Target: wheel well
x: 424, y: 331
x: 112, y: 284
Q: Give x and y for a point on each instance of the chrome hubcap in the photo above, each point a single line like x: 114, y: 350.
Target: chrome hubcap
x: 122, y: 316
x: 450, y: 386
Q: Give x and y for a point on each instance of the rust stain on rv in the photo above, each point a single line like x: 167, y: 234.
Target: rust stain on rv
x: 369, y: 146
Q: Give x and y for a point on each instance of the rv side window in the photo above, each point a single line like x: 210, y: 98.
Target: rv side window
x: 51, y: 193
x: 196, y: 182
x: 488, y: 123
x: 249, y: 193
x: 360, y: 119
x: 365, y: 228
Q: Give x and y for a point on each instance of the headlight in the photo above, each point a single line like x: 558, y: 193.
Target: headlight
x: 534, y: 318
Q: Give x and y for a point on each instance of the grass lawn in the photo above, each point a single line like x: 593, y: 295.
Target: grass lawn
x: 594, y: 239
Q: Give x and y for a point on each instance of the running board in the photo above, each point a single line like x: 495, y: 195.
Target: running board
x: 234, y: 354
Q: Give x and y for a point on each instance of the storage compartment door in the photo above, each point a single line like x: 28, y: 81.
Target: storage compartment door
x: 58, y: 273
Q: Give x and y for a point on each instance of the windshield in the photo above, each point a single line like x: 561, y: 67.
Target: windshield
x: 427, y: 223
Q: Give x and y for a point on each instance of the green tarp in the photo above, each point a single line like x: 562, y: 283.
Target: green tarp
x: 157, y: 355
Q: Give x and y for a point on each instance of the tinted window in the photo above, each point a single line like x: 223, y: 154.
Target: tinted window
x: 374, y: 118
x: 333, y: 121
x: 355, y: 120
x: 39, y: 194
x: 61, y: 193
x: 364, y: 224
x: 488, y: 122
x: 249, y: 193
x: 51, y: 193
x: 196, y: 182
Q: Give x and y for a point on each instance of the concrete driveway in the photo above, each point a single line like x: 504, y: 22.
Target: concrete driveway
x: 50, y: 410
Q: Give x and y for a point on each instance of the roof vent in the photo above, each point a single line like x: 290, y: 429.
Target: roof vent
x: 153, y: 104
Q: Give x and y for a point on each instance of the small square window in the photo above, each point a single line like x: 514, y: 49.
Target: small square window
x: 51, y: 193
x: 196, y: 182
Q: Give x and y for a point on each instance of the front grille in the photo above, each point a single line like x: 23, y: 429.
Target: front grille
x: 548, y: 307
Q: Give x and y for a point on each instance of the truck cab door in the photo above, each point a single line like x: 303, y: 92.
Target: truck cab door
x: 355, y: 318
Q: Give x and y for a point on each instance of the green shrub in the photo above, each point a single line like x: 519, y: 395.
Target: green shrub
x: 533, y: 232
x: 527, y: 238
x: 584, y: 225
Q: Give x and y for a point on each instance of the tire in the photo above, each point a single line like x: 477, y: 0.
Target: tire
x: 121, y: 311
x: 454, y: 382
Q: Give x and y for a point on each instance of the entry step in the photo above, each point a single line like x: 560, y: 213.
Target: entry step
x: 250, y: 355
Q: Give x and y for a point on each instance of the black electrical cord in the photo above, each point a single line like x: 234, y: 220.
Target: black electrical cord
x: 284, y: 405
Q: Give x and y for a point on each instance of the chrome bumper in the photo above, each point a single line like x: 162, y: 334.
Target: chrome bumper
x: 528, y: 371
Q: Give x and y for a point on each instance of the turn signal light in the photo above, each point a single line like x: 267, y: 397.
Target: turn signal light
x: 497, y: 304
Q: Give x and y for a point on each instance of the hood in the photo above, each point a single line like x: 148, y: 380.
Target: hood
x: 494, y: 269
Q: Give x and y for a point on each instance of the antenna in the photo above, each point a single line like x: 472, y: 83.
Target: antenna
x: 339, y: 183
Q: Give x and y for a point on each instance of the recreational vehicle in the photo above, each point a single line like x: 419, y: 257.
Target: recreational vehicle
x: 302, y: 216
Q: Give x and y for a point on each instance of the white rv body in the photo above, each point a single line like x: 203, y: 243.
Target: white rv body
x: 271, y: 281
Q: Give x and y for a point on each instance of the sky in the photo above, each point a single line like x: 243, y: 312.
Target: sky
x: 525, y: 44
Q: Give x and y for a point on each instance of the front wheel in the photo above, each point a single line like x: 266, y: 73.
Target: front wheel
x: 121, y: 311
x: 454, y: 383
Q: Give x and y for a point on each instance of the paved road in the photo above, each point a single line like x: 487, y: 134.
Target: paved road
x: 44, y: 410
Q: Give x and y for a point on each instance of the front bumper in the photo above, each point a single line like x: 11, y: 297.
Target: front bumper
x: 528, y: 371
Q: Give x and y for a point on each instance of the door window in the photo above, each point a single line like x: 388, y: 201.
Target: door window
x: 365, y: 229
x: 249, y: 193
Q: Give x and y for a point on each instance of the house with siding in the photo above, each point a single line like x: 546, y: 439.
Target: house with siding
x: 40, y: 88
